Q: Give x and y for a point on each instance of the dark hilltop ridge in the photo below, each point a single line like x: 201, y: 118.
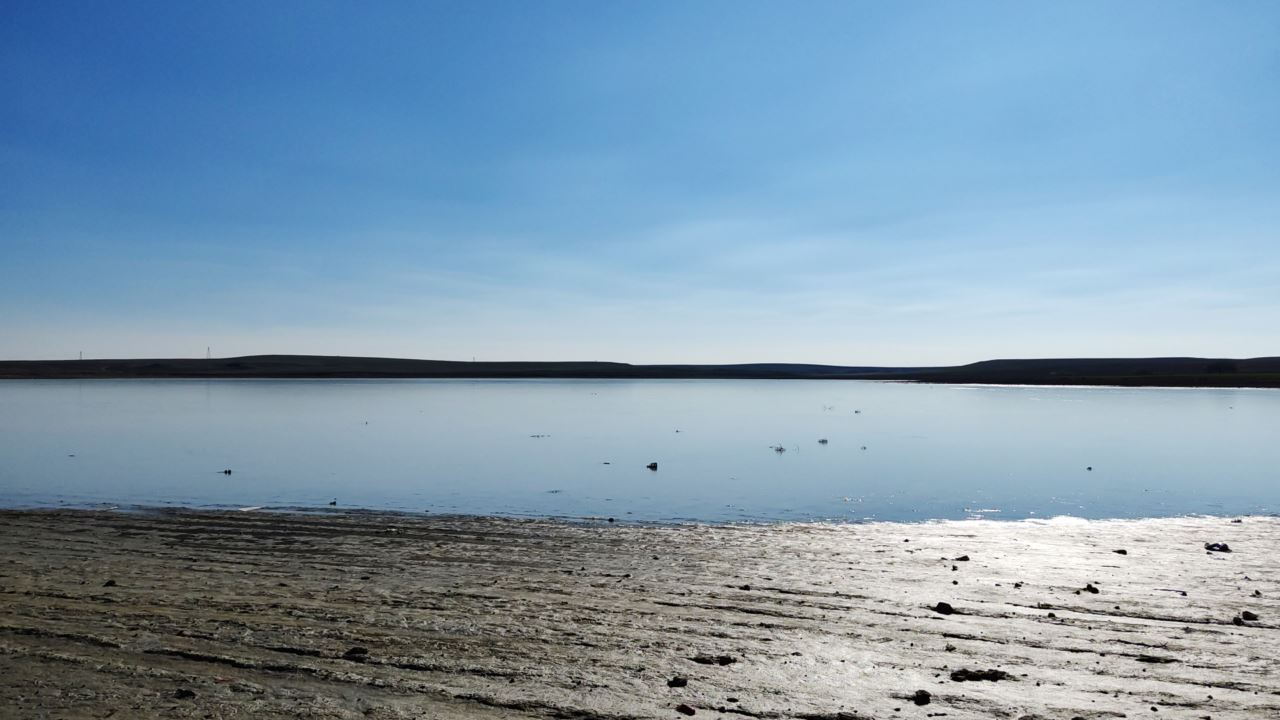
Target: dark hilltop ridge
x: 1133, y: 372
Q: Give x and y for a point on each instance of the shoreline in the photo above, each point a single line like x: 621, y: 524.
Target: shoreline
x: 1082, y: 385
x: 355, y: 511
x: 368, y: 614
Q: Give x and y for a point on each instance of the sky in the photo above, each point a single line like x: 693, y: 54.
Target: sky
x: 893, y: 183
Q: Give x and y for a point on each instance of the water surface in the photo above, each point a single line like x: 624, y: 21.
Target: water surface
x: 578, y: 448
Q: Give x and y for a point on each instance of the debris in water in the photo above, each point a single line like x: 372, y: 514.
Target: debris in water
x: 652, y: 466
x: 1217, y: 547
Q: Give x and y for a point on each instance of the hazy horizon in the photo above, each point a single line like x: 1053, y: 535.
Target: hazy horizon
x: 912, y: 183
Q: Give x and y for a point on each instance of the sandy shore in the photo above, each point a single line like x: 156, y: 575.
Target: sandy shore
x: 251, y: 615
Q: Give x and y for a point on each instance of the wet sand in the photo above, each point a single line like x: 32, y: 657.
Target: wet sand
x: 254, y: 615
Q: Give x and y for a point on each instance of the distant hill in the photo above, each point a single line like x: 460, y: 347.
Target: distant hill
x: 1179, y: 372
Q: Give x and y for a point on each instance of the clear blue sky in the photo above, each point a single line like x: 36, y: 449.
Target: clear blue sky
x: 850, y: 182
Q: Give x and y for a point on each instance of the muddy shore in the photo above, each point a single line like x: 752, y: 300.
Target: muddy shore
x: 254, y: 615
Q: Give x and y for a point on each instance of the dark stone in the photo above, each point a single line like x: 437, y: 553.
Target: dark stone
x: 1237, y: 521
x: 183, y: 694
x: 109, y: 583
x: 921, y: 697
x: 744, y: 587
x: 1217, y: 547
x: 976, y: 675
x: 685, y: 710
x: 356, y: 653
x: 943, y: 608
x: 654, y: 467
x: 1155, y: 659
x: 1120, y: 552
x: 962, y: 558
x: 1250, y: 616
x: 678, y: 682
x: 1089, y: 588
x: 714, y: 659
x: 732, y: 700
x: 1237, y: 621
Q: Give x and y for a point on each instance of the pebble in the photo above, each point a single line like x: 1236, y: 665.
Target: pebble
x: 685, y: 710
x: 678, y: 681
x: 975, y: 675
x: 943, y: 608
x: 721, y: 660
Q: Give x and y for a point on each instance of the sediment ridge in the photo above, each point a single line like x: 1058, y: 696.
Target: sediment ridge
x: 259, y: 615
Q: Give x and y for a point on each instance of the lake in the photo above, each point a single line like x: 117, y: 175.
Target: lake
x: 727, y: 450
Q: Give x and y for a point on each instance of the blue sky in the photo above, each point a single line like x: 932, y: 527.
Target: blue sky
x: 852, y: 182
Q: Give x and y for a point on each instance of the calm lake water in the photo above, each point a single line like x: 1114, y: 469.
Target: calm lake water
x: 579, y: 448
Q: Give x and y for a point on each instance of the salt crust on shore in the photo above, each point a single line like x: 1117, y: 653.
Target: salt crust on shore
x: 255, y: 615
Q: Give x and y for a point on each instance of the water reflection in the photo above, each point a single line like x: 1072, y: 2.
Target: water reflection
x: 726, y: 450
